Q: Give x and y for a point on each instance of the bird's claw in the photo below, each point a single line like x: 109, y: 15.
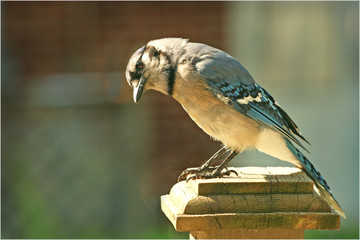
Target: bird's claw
x: 197, y: 173
x: 193, y: 171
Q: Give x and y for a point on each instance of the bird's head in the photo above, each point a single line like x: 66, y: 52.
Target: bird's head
x: 152, y: 66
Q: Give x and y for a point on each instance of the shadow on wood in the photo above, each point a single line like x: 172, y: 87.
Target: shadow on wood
x: 261, y: 202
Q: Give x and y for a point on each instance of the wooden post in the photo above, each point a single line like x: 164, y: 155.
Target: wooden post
x: 262, y: 202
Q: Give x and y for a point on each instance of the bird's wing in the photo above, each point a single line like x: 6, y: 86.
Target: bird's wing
x: 231, y: 83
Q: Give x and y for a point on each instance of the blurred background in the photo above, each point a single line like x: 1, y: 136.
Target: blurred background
x: 81, y: 160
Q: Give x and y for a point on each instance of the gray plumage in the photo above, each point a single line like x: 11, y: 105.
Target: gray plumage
x: 223, y: 99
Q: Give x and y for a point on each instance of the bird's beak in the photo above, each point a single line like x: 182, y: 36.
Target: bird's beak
x: 139, y: 89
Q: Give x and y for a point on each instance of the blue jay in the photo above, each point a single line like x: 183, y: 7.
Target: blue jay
x: 223, y: 99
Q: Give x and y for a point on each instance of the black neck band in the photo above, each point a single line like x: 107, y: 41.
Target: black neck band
x: 171, y: 80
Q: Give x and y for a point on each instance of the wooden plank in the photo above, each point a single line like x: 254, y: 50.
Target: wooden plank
x: 291, y: 220
x: 256, y: 180
x: 218, y: 221
x: 188, y: 202
x: 249, y: 234
x: 256, y: 203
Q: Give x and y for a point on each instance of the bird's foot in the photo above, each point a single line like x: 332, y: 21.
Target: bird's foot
x: 193, y: 171
x: 208, y: 175
x: 198, y: 173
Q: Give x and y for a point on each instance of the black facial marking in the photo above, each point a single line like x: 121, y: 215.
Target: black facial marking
x: 139, y: 65
x: 156, y: 53
x: 171, y: 80
x: 135, y: 75
x: 171, y: 74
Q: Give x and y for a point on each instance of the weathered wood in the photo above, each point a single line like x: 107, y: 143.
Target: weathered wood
x: 189, y: 202
x: 259, y: 203
x: 256, y: 180
x: 217, y: 221
x: 249, y: 234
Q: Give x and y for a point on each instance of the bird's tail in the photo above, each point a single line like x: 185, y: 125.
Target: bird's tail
x: 319, y: 181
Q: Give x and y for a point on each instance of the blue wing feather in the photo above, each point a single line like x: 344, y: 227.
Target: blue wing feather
x: 264, y: 110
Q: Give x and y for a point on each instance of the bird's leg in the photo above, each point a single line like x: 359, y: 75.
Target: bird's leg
x: 214, y: 157
x: 217, y: 172
x: 223, y: 165
x: 205, y: 167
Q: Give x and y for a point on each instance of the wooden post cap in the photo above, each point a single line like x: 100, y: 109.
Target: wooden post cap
x: 258, y: 200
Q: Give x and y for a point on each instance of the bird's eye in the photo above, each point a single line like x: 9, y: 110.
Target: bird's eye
x: 139, y: 65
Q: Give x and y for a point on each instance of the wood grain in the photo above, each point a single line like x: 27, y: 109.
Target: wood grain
x: 217, y: 221
x: 256, y: 180
x: 258, y: 203
x: 248, y: 234
x: 189, y: 202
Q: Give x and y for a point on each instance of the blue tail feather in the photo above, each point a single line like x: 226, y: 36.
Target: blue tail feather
x: 315, y: 175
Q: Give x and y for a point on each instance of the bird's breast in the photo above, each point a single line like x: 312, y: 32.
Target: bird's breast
x: 216, y: 118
